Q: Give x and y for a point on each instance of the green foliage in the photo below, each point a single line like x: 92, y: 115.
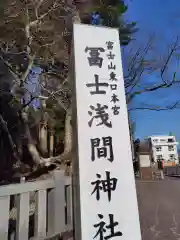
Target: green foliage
x: 112, y: 15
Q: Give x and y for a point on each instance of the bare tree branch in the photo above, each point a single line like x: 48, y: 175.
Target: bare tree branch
x: 137, y: 67
x: 11, y: 69
x: 29, y: 67
x: 156, y: 108
x: 40, y: 18
x: 173, y: 49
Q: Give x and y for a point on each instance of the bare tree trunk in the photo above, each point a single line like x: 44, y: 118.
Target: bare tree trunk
x: 66, y: 155
x: 43, y: 139
x: 51, y: 143
x: 68, y: 132
x: 32, y: 148
x: 62, y: 158
x: 30, y: 143
x: 43, y: 131
x: 34, y: 153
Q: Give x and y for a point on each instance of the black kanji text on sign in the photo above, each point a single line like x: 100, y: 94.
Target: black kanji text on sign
x: 114, y: 98
x: 111, y: 56
x: 103, y: 228
x: 110, y: 45
x: 111, y: 66
x: 106, y: 185
x: 102, y: 148
x: 112, y: 76
x: 97, y: 86
x: 94, y: 58
x: 100, y: 114
x: 116, y: 110
x: 113, y: 87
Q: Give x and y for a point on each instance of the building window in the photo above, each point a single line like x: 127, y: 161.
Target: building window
x: 159, y: 157
x: 170, y: 140
x: 171, y: 148
x: 158, y: 149
x: 155, y: 140
x: 172, y: 157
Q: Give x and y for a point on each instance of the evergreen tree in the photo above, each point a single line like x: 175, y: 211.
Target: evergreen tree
x: 110, y: 13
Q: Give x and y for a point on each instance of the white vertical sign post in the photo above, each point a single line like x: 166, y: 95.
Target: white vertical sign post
x: 108, y: 203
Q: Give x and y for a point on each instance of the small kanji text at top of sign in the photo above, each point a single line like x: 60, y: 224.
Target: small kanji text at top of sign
x: 111, y: 56
x: 111, y: 66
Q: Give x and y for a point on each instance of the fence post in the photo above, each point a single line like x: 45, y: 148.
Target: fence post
x: 69, y: 207
x: 4, y: 217
x: 56, y: 204
x: 22, y: 224
x: 40, y: 214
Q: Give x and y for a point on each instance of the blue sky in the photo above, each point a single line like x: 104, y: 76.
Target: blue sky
x: 162, y: 18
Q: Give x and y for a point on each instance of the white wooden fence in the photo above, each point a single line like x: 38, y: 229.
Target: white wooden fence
x: 47, y: 202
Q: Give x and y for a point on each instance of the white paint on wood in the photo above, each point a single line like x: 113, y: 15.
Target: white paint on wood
x: 59, y: 201
x: 50, y: 213
x: 40, y: 214
x: 4, y: 217
x: 56, y: 205
x: 12, y: 236
x: 52, y: 237
x: 68, y: 180
x: 69, y: 207
x: 13, y: 189
x: 22, y: 225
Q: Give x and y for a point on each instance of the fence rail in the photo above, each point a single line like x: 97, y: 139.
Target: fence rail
x: 172, y: 171
x: 36, y: 210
